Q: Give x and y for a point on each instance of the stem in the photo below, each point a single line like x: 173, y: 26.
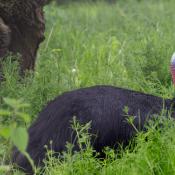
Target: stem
x: 30, y: 161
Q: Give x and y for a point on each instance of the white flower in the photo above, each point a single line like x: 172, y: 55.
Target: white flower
x: 74, y: 70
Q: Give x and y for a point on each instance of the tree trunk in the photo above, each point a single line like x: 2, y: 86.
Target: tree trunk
x: 21, y: 29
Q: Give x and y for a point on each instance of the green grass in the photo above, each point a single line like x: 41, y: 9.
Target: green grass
x: 128, y: 44
x: 154, y: 153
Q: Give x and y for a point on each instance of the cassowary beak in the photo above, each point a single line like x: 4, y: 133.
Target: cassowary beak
x: 172, y: 66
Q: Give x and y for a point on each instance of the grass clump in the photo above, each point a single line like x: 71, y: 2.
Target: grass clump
x: 153, y: 153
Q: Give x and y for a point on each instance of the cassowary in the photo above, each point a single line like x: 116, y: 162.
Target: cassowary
x: 103, y: 106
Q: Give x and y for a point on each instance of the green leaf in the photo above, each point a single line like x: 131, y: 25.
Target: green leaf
x: 24, y: 105
x: 12, y: 102
x: 126, y: 109
x: 26, y: 118
x: 5, y: 168
x: 16, y: 104
x: 19, y: 136
x: 5, y: 132
x: 5, y: 113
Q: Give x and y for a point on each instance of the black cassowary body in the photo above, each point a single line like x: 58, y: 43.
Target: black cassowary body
x: 103, y: 105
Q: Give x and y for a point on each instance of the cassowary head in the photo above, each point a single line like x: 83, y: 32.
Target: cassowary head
x: 172, y: 67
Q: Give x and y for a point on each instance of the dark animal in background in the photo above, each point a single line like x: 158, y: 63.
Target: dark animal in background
x: 4, y: 37
x: 103, y: 106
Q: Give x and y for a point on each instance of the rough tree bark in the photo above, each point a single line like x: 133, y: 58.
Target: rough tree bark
x: 21, y: 29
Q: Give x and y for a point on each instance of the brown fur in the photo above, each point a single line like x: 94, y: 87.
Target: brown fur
x: 5, y: 37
